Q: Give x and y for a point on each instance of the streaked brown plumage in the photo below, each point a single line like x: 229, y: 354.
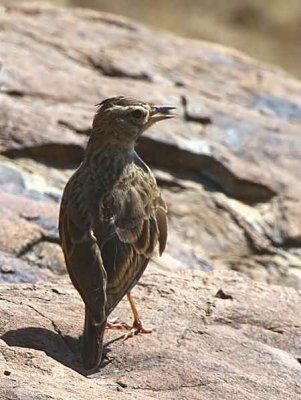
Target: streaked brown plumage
x: 112, y: 216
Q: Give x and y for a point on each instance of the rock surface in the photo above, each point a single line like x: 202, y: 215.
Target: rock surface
x: 229, y: 170
x: 217, y: 336
x: 269, y: 32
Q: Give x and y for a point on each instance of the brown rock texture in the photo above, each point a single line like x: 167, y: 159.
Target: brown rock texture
x: 267, y: 31
x: 217, y: 336
x: 228, y: 167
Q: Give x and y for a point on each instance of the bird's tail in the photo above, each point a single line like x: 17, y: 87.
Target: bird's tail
x: 92, y: 342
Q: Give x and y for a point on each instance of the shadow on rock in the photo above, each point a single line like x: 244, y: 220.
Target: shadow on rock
x: 64, y: 349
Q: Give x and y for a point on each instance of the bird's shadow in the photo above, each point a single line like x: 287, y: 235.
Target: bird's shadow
x: 62, y: 348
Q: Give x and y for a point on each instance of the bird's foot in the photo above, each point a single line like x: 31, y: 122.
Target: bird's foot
x: 136, y: 328
x: 116, y: 324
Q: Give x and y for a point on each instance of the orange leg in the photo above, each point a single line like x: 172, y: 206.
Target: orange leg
x: 137, y: 326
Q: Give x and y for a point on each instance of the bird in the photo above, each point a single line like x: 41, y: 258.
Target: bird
x: 112, y: 218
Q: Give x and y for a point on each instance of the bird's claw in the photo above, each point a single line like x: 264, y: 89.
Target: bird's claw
x: 116, y: 324
x: 135, y: 329
x: 130, y: 334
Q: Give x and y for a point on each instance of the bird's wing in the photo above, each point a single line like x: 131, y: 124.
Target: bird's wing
x: 81, y: 251
x: 142, y: 222
x: 140, y: 225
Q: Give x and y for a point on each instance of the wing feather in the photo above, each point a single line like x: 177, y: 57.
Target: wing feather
x: 162, y: 227
x: 142, y: 243
x: 83, y: 257
x: 131, y: 244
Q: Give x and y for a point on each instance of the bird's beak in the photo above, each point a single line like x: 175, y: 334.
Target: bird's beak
x: 158, y: 113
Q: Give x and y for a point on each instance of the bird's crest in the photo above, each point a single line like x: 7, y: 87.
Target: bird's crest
x: 117, y: 101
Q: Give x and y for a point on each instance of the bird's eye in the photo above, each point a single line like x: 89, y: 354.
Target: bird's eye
x: 137, y: 114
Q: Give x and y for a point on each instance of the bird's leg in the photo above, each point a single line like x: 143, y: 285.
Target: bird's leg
x: 134, y: 329
x: 137, y: 324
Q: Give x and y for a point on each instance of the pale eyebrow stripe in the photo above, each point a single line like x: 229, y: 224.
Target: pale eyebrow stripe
x: 113, y: 108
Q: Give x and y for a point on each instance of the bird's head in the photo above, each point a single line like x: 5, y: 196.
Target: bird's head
x: 121, y: 120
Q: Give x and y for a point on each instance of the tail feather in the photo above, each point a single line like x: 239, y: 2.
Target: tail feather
x: 92, y: 343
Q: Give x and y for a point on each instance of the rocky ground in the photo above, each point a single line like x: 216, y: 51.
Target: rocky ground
x: 217, y: 336
x: 229, y: 170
